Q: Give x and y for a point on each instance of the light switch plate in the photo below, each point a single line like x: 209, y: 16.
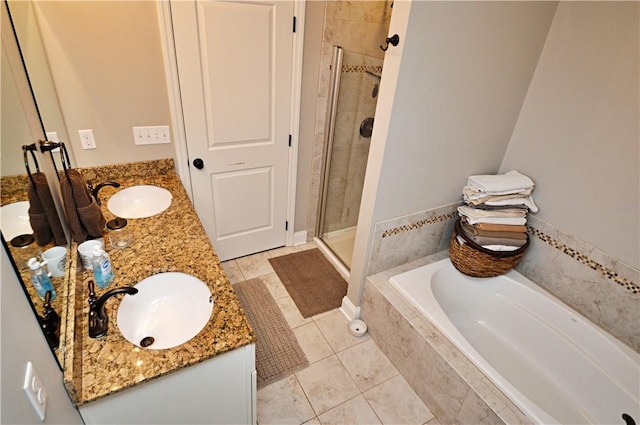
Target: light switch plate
x: 35, y: 392
x: 151, y: 135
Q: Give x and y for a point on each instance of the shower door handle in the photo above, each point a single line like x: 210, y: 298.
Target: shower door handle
x: 198, y: 163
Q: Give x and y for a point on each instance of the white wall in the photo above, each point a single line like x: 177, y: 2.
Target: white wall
x: 23, y: 341
x: 463, y: 74
x: 577, y: 135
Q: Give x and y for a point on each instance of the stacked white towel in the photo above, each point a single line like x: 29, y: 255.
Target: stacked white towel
x: 496, y: 208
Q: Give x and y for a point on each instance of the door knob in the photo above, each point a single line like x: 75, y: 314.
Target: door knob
x: 198, y: 163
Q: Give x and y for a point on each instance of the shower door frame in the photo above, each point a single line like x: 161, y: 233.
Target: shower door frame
x: 336, y: 67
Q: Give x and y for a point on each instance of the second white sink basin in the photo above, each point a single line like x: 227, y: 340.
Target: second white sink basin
x: 14, y: 220
x: 168, y: 310
x: 139, y: 201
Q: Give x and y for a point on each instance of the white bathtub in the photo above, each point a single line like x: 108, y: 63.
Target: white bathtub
x: 550, y: 361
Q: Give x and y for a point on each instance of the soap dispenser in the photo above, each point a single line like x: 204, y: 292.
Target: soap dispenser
x: 102, y: 270
x: 40, y: 278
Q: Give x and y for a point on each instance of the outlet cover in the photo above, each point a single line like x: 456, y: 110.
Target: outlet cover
x: 35, y: 392
x: 86, y: 139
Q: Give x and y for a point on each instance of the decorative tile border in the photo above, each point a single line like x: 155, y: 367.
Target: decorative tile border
x: 571, y: 252
x: 419, y: 224
x: 583, y: 259
x: 362, y: 68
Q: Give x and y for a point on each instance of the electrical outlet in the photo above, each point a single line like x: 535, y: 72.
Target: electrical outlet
x: 86, y: 139
x: 151, y: 135
x: 36, y: 393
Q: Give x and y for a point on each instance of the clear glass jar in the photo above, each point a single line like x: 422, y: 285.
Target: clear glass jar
x: 25, y: 247
x: 119, y: 234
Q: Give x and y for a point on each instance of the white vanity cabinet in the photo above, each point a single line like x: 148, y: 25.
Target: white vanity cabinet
x: 221, y: 390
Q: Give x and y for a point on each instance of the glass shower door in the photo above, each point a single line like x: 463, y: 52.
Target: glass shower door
x: 352, y: 104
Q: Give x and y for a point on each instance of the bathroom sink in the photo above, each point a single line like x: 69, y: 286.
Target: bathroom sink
x: 168, y: 310
x: 139, y: 201
x: 14, y: 220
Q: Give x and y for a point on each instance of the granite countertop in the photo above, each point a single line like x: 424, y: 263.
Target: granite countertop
x: 172, y: 241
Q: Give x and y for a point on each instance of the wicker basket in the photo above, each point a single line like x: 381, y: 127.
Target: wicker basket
x: 474, y: 260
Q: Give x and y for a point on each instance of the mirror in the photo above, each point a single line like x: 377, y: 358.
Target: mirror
x: 95, y: 65
x: 22, y: 125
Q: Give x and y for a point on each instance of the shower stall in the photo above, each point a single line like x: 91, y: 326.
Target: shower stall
x: 353, y: 92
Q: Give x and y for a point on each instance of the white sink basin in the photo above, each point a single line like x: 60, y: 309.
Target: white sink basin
x: 14, y: 220
x: 139, y: 201
x: 168, y: 310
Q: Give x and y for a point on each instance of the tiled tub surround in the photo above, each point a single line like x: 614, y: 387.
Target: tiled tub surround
x: 599, y: 287
x: 449, y: 384
x: 404, y: 239
x: 172, y: 241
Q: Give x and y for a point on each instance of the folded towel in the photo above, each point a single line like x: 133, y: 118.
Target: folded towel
x: 474, y: 195
x: 512, y: 221
x: 498, y: 227
x: 43, y: 215
x: 473, y: 230
x: 500, y: 184
x: 501, y: 247
x: 485, y: 240
x: 83, y: 213
x: 527, y: 202
x: 477, y: 198
x: 501, y: 213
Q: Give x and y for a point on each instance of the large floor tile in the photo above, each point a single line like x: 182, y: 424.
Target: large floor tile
x: 313, y: 344
x: 396, y: 403
x: 291, y: 312
x: 275, y: 286
x: 335, y: 328
x: 327, y: 384
x: 353, y: 412
x: 255, y: 265
x: 233, y: 271
x: 283, y: 402
x: 367, y: 365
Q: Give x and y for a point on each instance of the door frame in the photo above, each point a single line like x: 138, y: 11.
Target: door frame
x: 163, y: 8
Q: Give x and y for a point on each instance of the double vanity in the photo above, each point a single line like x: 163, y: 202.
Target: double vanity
x: 211, y: 378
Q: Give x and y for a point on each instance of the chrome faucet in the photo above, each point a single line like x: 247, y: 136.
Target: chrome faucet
x: 94, y: 190
x: 98, y: 318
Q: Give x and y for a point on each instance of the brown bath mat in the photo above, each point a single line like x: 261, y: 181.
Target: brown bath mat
x: 313, y: 283
x: 278, y: 353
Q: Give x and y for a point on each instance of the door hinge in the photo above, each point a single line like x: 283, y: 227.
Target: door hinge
x: 294, y: 24
x: 286, y: 225
x: 289, y: 140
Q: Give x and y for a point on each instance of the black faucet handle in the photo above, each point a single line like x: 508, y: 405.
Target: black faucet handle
x: 92, y: 293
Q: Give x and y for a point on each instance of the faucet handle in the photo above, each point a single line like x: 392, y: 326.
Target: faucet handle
x: 92, y: 292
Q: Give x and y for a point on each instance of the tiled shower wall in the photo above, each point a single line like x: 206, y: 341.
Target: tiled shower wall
x: 359, y: 27
x: 595, y: 284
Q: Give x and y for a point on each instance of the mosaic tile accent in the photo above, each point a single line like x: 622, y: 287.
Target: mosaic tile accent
x: 583, y: 259
x: 573, y: 253
x: 419, y: 224
x: 362, y: 68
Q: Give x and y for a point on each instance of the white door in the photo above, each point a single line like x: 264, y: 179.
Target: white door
x: 234, y: 64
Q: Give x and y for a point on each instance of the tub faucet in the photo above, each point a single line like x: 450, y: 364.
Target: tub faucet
x: 98, y: 318
x: 94, y: 190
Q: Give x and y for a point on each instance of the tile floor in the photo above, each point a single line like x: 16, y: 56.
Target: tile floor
x: 348, y: 381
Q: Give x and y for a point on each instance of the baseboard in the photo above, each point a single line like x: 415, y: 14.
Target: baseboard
x: 300, y: 237
x: 349, y: 310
